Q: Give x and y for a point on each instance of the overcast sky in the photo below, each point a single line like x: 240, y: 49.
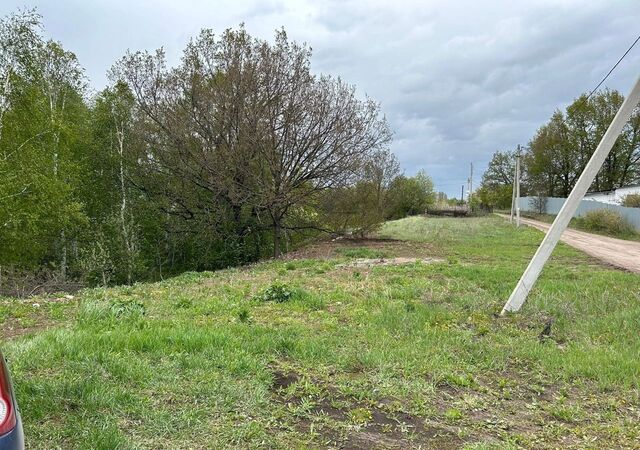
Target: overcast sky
x: 457, y: 80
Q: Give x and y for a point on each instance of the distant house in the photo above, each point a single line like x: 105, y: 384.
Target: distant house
x: 613, y: 197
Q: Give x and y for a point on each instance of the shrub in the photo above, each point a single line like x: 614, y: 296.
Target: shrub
x: 606, y: 220
x: 278, y: 292
x: 631, y: 201
x: 127, y: 309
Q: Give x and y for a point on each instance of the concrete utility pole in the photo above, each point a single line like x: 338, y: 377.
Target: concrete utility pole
x: 462, y: 195
x: 470, y: 184
x: 513, y: 193
x: 518, y: 188
x: 530, y: 275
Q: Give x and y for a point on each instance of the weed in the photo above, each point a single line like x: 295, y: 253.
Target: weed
x: 360, y: 416
x: 127, y: 308
x: 465, y: 380
x: 244, y: 315
x: 453, y: 414
x: 278, y: 292
x: 566, y: 413
x: 184, y: 302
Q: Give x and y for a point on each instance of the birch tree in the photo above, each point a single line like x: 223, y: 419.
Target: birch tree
x: 61, y: 76
x: 20, y: 40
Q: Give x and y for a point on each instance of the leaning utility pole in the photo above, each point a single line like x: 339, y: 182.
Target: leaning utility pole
x: 530, y: 275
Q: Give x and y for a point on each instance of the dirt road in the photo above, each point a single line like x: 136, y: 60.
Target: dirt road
x: 617, y: 252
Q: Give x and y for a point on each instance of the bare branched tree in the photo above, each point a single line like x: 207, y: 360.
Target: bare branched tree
x: 247, y: 126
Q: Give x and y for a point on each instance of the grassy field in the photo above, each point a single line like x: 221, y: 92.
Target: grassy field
x: 332, y: 348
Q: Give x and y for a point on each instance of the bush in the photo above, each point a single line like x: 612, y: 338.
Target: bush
x: 631, y: 201
x: 277, y: 292
x: 606, y: 220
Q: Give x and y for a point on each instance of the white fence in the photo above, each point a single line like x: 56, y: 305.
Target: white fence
x: 553, y: 205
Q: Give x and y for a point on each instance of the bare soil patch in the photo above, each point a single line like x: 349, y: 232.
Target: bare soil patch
x: 346, y: 423
x: 34, y: 320
x: 332, y: 248
x: 370, y: 262
x: 13, y: 328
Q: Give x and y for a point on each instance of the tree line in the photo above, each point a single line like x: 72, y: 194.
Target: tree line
x: 236, y: 153
x: 560, y: 149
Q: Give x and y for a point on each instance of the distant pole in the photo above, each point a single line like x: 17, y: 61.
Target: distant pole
x: 470, y: 184
x: 513, y: 192
x: 462, y: 195
x: 530, y: 275
x: 518, y: 188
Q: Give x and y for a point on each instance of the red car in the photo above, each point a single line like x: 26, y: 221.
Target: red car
x: 11, y: 436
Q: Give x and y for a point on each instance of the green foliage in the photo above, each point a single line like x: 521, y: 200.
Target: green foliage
x: 244, y: 315
x: 101, y: 313
x: 127, y: 308
x: 453, y: 414
x: 497, y: 181
x: 356, y: 209
x: 84, y: 196
x: 560, y: 149
x: 278, y: 292
x: 360, y: 416
x: 606, y: 220
x: 409, y: 196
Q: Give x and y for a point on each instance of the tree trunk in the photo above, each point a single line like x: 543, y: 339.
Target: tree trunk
x: 277, y: 232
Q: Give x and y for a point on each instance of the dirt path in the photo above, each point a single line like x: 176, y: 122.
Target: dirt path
x: 617, y: 252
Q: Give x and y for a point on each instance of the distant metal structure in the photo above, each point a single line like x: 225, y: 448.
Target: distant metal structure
x: 532, y: 272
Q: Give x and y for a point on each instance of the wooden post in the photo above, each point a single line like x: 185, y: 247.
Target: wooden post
x: 530, y: 275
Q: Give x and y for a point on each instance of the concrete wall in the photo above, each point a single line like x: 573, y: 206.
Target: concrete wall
x: 616, y: 196
x: 554, y: 204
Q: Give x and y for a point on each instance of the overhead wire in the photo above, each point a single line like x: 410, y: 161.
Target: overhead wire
x: 614, y: 67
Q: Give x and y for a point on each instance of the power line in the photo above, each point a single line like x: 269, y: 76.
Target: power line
x: 614, y: 67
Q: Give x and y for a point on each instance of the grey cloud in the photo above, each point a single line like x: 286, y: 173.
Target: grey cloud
x: 457, y: 80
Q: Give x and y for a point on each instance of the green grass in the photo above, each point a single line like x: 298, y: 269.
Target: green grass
x: 313, y: 354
